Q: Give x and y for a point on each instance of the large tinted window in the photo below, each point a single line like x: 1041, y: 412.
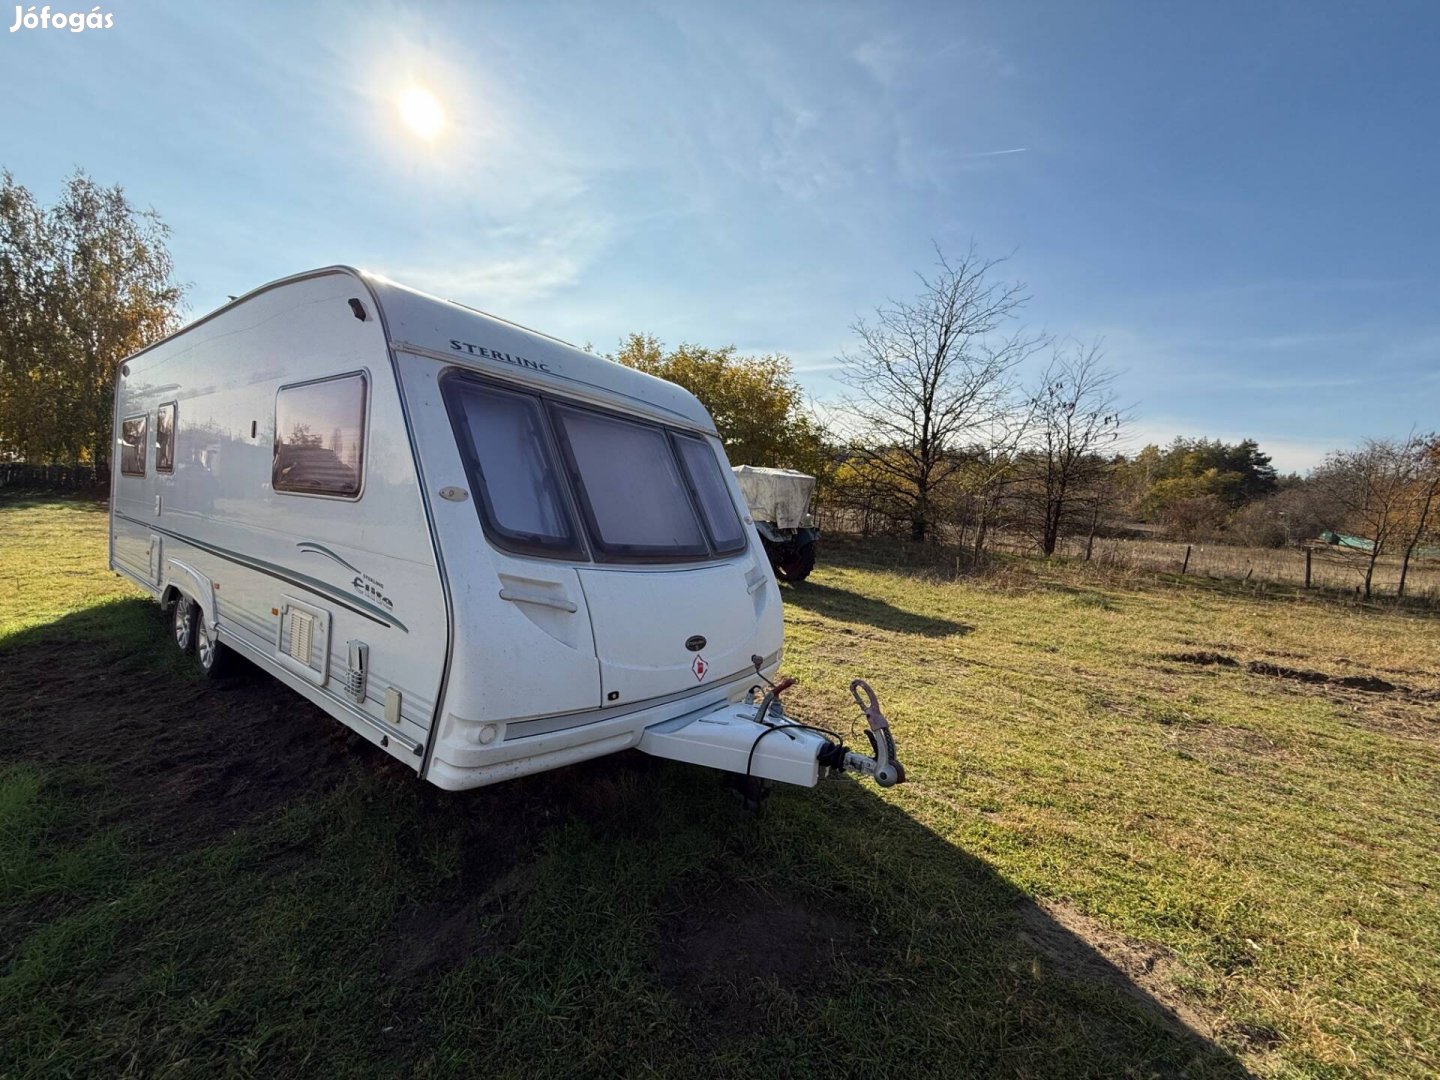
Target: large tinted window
x: 629, y: 486
x: 133, y: 445
x: 711, y: 493
x: 320, y: 437
x: 165, y: 438
x: 503, y: 438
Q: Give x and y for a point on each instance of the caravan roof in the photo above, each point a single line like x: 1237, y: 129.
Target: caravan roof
x: 456, y: 333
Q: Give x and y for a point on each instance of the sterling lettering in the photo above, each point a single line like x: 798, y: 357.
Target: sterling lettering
x: 76, y: 22
x: 496, y: 354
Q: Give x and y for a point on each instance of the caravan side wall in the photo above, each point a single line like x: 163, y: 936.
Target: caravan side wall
x: 290, y: 579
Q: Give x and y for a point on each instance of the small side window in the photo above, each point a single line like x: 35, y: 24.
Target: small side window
x: 165, y: 438
x: 133, y: 444
x: 320, y: 437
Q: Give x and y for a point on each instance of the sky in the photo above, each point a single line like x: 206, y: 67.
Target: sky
x: 1241, y: 200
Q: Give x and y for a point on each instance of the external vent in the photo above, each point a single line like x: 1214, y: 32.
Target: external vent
x: 302, y: 643
x: 302, y: 636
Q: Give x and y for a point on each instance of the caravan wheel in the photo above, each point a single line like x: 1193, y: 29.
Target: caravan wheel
x: 184, y: 618
x: 215, y: 659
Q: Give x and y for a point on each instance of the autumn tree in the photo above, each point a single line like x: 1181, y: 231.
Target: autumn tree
x: 759, y: 409
x: 83, y: 283
x: 1378, y: 489
x: 1424, y: 501
x: 933, y: 376
x: 1075, y: 422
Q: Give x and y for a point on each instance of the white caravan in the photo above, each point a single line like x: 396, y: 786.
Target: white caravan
x: 484, y: 550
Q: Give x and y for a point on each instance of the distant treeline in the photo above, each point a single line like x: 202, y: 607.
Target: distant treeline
x: 941, y: 436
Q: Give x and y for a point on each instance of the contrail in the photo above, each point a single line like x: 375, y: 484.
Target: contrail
x: 997, y: 153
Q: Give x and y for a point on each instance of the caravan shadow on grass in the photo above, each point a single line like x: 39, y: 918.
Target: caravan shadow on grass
x: 278, y: 897
x: 852, y: 607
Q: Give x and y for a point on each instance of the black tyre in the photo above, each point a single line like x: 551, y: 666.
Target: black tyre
x: 184, y: 617
x: 216, y: 659
x: 798, y: 566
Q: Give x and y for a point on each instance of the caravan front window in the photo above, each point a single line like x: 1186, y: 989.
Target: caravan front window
x: 712, y: 493
x: 505, y: 446
x: 644, y: 492
x: 630, y: 488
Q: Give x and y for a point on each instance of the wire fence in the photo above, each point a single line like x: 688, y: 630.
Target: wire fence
x: 1317, y: 566
x: 1312, y: 565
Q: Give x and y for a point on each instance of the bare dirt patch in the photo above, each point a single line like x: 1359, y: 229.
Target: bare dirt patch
x: 1371, y: 684
x: 1205, y: 659
x: 1278, y: 671
x: 182, y: 762
x: 430, y: 939
x: 475, y: 915
x: 723, y: 954
x: 1367, y: 684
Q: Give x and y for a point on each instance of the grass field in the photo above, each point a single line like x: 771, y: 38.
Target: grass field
x: 1153, y: 828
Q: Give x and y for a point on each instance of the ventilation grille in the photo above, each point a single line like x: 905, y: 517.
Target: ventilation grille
x: 303, y: 641
x: 302, y: 636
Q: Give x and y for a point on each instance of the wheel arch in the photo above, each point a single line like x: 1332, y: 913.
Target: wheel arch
x: 182, y: 579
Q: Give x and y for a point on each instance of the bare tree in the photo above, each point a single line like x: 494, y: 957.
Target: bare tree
x: 933, y: 375
x: 1076, y: 421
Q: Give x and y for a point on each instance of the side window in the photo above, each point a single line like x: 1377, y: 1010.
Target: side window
x: 165, y: 438
x: 320, y: 437
x: 133, y: 444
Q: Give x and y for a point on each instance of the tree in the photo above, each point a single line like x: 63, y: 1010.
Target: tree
x: 83, y: 284
x: 758, y: 408
x: 1424, y: 497
x: 932, y: 376
x: 1375, y: 488
x: 1075, y: 418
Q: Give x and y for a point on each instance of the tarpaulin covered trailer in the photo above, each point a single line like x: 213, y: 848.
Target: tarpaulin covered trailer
x: 779, y: 501
x: 484, y: 550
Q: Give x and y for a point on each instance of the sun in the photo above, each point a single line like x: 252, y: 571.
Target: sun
x: 421, y: 112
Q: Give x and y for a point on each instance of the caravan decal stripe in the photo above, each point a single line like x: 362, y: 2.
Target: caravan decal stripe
x: 352, y: 603
x: 320, y: 549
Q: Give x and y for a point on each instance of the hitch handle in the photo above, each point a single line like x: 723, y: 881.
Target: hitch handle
x: 885, y: 766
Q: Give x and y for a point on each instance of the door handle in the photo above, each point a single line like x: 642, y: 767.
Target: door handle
x: 516, y: 596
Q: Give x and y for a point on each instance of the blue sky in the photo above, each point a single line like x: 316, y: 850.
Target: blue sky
x: 1242, y: 199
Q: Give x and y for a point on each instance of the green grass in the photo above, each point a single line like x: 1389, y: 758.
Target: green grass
x: 1255, y: 853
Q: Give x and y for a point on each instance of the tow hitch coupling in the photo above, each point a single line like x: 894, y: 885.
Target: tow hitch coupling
x: 884, y: 767
x: 763, y: 743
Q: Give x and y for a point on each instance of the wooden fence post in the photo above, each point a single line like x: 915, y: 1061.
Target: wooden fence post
x: 1186, y: 564
x: 1308, y: 554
